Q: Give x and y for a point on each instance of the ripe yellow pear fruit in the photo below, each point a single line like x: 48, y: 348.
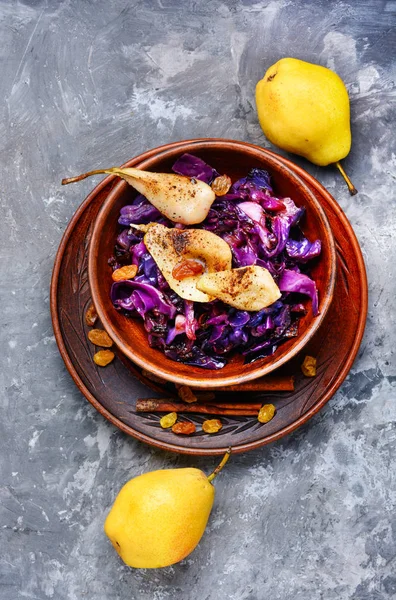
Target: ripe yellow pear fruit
x: 304, y: 108
x: 158, y: 518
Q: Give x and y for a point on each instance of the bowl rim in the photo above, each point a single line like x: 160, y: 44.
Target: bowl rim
x: 205, y: 381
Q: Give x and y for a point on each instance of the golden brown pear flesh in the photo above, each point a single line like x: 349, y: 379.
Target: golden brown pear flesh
x: 181, y: 199
x: 304, y: 108
x: 246, y: 288
x: 169, y: 247
x: 158, y: 518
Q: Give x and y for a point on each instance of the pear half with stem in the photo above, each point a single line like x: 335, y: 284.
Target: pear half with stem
x: 181, y: 199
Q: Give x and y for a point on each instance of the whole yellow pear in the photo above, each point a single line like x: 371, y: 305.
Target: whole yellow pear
x: 304, y: 108
x: 158, y: 518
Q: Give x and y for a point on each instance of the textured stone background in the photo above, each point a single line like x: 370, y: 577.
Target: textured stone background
x: 87, y: 83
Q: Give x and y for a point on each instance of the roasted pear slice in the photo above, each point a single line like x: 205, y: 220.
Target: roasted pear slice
x: 170, y: 248
x: 247, y: 288
x: 181, y: 199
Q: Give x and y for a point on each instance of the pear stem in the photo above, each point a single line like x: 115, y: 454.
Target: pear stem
x: 220, y: 466
x: 351, y: 187
x: 85, y: 175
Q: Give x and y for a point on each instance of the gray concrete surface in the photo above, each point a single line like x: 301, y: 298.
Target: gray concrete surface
x: 87, y: 83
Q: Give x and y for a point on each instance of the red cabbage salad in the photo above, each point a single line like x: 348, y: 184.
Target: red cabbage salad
x: 261, y: 230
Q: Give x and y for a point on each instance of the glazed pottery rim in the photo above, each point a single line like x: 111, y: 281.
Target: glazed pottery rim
x: 250, y: 371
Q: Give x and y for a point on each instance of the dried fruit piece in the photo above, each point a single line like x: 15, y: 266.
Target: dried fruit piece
x: 99, y: 337
x: 184, y: 428
x: 187, y: 268
x: 266, y: 413
x: 309, y: 366
x: 103, y: 357
x: 212, y: 425
x: 123, y: 273
x: 91, y: 315
x: 221, y: 185
x: 168, y: 420
x: 186, y: 394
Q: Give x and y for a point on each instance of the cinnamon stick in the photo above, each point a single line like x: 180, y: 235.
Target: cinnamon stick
x: 223, y: 408
x: 270, y: 383
x: 235, y: 405
x: 205, y: 396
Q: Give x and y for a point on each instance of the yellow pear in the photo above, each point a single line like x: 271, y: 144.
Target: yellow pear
x: 304, y: 108
x: 158, y: 518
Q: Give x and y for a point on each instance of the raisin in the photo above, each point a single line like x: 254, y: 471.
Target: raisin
x: 99, y: 337
x: 309, y: 366
x: 212, y: 425
x: 91, y: 315
x: 168, y: 420
x: 184, y: 428
x: 103, y: 357
x: 187, y: 268
x: 186, y: 394
x: 123, y: 273
x: 266, y: 413
x: 221, y: 185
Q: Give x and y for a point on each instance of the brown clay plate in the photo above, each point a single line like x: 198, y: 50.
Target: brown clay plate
x: 112, y: 390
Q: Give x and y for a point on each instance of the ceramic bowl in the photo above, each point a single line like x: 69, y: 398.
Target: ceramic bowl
x: 236, y: 159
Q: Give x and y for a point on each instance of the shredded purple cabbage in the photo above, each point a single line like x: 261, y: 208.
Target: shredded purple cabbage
x: 260, y: 229
x: 192, y: 166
